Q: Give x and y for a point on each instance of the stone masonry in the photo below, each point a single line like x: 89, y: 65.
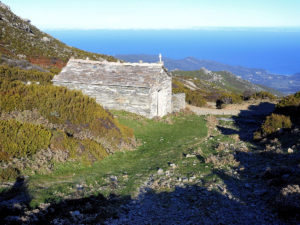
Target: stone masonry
x: 141, y: 88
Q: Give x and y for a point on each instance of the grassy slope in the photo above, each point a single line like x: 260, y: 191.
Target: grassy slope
x: 62, y: 112
x: 224, y: 81
x: 160, y: 143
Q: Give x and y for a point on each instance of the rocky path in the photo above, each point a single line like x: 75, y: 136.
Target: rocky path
x: 238, y: 196
x: 237, y: 199
x: 234, y: 109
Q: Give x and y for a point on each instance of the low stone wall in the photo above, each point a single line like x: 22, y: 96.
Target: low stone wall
x: 178, y: 102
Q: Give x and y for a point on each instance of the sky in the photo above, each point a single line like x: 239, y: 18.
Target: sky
x: 157, y: 14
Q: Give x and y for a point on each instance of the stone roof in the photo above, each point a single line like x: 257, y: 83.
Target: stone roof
x: 110, y: 73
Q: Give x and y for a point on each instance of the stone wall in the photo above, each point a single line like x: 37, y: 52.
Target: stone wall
x: 178, y: 102
x: 131, y: 99
x: 161, y: 95
x: 141, y: 88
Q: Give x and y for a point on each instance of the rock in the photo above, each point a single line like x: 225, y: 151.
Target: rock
x: 45, y: 39
x: 21, y: 56
x: 290, y: 151
x: 3, y: 6
x: 185, y: 180
x: 289, y: 199
x: 160, y: 171
x: 190, y: 156
x: 113, y: 178
x: 79, y: 187
x: 172, y: 165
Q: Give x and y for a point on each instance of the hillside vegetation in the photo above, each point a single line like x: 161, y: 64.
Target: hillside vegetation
x: 42, y: 124
x: 286, y: 116
x: 20, y: 40
x: 260, y: 77
x: 221, y: 87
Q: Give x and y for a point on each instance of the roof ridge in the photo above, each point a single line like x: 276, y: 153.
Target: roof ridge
x: 87, y: 61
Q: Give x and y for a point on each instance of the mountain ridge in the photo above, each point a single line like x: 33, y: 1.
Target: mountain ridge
x: 20, y: 40
x: 283, y: 83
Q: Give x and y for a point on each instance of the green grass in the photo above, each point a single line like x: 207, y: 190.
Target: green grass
x: 160, y: 143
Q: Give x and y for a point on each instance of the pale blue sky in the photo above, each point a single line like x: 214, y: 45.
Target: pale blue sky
x: 157, y: 14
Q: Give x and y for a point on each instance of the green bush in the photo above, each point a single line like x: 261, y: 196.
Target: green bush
x: 14, y: 73
x: 191, y: 97
x: 9, y: 173
x: 86, y: 149
x: 263, y: 95
x: 274, y: 122
x: 21, y: 139
x: 290, y: 106
x: 228, y: 98
x: 62, y: 106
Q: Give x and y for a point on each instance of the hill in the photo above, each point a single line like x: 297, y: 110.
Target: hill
x: 282, y: 83
x: 21, y: 42
x: 42, y: 124
x: 223, y: 80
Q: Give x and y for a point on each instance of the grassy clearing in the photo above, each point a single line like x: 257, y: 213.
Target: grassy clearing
x: 160, y: 143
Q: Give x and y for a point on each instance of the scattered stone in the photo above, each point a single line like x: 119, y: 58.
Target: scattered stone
x: 160, y: 171
x: 113, y: 178
x: 173, y: 165
x: 46, y: 39
x: 190, y: 156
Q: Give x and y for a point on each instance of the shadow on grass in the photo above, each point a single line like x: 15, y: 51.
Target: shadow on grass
x: 14, y: 200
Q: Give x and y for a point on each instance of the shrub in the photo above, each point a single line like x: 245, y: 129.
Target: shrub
x: 274, y: 122
x: 195, y: 98
x: 21, y: 139
x: 228, y: 98
x: 263, y: 95
x: 290, y: 106
x: 78, y: 149
x: 62, y: 106
x: 14, y: 73
x: 8, y: 173
x: 247, y: 95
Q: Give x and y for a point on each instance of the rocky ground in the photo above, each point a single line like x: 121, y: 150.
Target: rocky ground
x: 255, y: 183
x: 234, y: 109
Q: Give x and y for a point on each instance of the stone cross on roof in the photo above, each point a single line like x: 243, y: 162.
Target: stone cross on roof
x: 160, y: 58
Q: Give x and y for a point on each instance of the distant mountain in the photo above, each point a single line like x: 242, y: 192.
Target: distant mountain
x: 209, y: 81
x: 282, y: 83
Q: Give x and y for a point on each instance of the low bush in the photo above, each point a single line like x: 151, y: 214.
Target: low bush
x: 86, y: 149
x: 273, y: 123
x: 263, y: 95
x: 8, y: 173
x: 195, y: 98
x: 228, y: 98
x: 62, y: 106
x: 290, y: 106
x: 14, y: 73
x: 21, y: 139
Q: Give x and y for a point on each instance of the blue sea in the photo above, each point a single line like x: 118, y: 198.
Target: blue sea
x: 277, y: 51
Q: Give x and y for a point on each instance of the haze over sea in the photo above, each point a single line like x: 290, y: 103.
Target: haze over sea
x: 277, y: 51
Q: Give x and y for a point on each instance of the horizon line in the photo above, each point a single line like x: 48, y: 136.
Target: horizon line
x: 267, y: 28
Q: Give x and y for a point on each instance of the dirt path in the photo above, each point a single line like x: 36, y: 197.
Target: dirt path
x: 255, y: 107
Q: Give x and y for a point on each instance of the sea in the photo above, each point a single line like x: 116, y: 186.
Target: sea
x: 275, y: 50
